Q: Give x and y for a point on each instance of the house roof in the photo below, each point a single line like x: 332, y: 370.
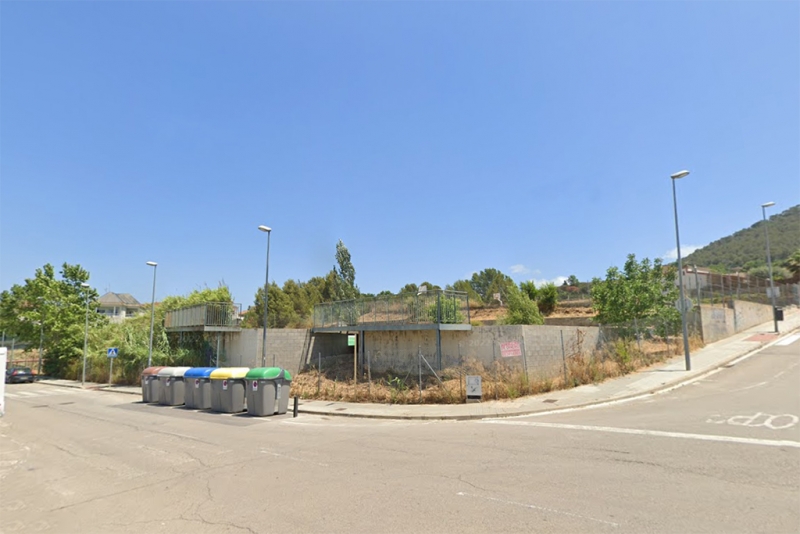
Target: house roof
x: 118, y: 299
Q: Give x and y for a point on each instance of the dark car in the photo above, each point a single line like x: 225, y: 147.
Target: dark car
x: 18, y: 374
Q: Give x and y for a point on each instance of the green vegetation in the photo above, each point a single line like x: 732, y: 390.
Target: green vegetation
x: 54, y: 310
x: 641, y: 291
x: 746, y: 249
x: 522, y: 309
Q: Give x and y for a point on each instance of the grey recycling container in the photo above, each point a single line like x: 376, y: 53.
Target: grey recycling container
x: 171, y: 385
x: 149, y: 375
x: 268, y: 391
x: 227, y: 389
x: 197, y: 388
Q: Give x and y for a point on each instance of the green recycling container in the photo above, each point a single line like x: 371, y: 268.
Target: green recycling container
x: 267, y: 391
x: 149, y: 376
x: 227, y: 389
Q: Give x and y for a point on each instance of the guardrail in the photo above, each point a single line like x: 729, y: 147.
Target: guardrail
x: 429, y: 307
x: 219, y: 314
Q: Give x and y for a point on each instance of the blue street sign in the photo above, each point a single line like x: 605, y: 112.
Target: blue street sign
x: 112, y: 352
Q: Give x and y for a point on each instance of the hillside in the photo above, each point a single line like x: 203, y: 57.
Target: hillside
x: 746, y: 248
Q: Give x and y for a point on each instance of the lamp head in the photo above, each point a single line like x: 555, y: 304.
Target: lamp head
x: 265, y: 228
x: 84, y: 284
x: 767, y: 204
x: 152, y: 263
x: 680, y: 174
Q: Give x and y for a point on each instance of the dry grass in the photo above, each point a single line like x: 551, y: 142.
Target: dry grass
x: 499, y: 381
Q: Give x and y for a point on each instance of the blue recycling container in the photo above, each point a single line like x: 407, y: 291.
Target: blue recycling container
x: 197, y: 387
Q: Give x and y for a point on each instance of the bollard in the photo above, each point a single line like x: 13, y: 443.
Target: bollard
x: 294, y: 412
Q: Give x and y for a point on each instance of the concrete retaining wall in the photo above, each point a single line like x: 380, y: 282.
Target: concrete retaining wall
x: 288, y: 346
x: 721, y: 321
x: 397, y: 351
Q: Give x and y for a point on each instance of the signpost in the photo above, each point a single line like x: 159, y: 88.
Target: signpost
x: 352, y: 342
x: 112, y: 353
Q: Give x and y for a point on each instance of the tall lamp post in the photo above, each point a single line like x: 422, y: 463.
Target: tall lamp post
x: 85, y: 335
x: 154, y: 265
x: 764, y: 207
x: 268, y: 230
x: 678, y: 176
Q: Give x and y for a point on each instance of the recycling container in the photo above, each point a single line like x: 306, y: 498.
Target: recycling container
x: 267, y: 390
x: 227, y: 389
x: 197, y: 387
x: 171, y: 387
x: 149, y: 375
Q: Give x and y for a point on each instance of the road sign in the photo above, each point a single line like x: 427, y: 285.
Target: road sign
x: 507, y: 350
x: 777, y: 292
x: 112, y: 352
x: 686, y: 305
x: 351, y: 340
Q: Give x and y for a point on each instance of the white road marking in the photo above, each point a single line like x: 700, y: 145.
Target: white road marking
x: 535, y: 507
x: 788, y: 340
x: 657, y: 433
x: 769, y: 421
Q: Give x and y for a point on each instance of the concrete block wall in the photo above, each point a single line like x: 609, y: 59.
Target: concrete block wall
x: 721, y: 321
x: 397, y: 350
x: 717, y: 322
x: 749, y: 314
x: 289, y: 346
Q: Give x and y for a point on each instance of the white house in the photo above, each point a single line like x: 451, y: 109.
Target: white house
x: 118, y: 306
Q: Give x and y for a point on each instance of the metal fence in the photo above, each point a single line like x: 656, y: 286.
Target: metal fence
x: 429, y: 307
x: 220, y: 314
x: 713, y: 288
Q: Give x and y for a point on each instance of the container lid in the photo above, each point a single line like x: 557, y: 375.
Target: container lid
x: 173, y: 371
x: 199, y: 372
x: 152, y: 371
x: 269, y: 373
x: 229, y: 372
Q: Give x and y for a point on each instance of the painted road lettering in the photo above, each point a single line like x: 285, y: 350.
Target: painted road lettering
x: 773, y: 422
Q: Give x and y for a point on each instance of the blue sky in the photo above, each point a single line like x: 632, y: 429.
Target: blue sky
x: 434, y: 138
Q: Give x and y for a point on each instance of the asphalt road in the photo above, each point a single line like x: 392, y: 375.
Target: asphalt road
x: 721, y: 454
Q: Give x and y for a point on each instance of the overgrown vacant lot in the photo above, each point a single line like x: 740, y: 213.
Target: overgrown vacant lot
x: 499, y: 381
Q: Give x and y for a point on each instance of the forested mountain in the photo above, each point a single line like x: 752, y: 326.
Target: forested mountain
x: 746, y: 249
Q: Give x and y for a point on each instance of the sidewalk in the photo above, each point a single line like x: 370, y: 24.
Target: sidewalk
x: 657, y: 378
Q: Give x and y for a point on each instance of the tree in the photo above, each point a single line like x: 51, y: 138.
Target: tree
x: 490, y: 282
x: 465, y: 287
x: 409, y: 289
x: 547, y: 299
x: 54, y: 309
x: 792, y: 263
x: 640, y: 291
x: 572, y: 280
x: 520, y: 308
x: 529, y: 288
x: 345, y: 280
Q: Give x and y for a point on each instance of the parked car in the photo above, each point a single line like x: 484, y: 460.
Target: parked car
x: 18, y: 374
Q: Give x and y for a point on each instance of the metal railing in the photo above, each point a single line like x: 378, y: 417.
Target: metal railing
x: 220, y: 314
x: 430, y: 307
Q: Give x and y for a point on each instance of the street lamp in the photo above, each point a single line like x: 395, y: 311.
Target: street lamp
x: 769, y: 263
x: 268, y: 230
x: 154, y: 265
x: 678, y: 176
x: 85, y: 335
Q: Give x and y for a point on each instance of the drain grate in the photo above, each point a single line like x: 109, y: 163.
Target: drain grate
x: 550, y: 400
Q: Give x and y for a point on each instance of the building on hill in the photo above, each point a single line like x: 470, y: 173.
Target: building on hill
x: 118, y: 306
